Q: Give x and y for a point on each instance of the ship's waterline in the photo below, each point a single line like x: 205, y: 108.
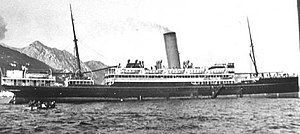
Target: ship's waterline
x: 137, y: 81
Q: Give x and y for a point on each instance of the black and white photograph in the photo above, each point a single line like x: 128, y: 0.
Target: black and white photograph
x: 149, y: 66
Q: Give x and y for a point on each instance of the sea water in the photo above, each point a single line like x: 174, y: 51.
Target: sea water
x: 221, y: 115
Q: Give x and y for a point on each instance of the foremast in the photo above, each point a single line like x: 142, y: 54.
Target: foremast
x: 252, y: 56
x: 76, y: 46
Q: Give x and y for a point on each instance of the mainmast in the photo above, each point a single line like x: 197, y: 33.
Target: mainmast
x: 252, y: 56
x: 75, y: 41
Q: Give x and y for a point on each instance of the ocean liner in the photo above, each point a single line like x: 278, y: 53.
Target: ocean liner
x: 137, y: 81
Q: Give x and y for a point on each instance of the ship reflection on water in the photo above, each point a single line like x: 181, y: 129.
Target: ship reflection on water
x: 223, y: 115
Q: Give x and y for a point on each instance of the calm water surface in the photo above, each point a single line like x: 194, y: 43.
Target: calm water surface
x: 235, y: 115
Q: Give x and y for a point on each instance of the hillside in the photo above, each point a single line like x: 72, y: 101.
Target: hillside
x: 58, y: 59
x: 12, y: 59
x: 93, y: 65
x: 61, y: 59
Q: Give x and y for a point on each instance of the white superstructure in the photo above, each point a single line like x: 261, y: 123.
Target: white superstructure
x: 216, y: 74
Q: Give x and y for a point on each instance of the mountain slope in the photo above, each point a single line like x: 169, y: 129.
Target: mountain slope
x: 93, y: 65
x: 61, y: 60
x: 12, y: 59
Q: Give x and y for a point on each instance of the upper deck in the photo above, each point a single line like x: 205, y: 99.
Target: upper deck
x: 28, y: 78
x: 216, y: 74
x: 219, y: 74
x: 40, y: 78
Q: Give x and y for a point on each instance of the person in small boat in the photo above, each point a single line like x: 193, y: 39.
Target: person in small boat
x: 52, y: 104
x: 41, y: 105
x: 31, y: 103
x: 38, y: 104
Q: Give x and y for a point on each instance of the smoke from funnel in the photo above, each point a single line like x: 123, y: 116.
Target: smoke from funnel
x: 146, y: 25
x: 161, y: 28
x: 2, y: 28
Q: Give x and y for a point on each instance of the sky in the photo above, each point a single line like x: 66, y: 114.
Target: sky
x: 113, y: 31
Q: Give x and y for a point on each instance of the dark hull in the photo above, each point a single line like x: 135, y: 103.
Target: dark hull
x: 166, y: 90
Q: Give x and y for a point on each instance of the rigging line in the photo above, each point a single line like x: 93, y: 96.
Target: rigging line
x: 66, y: 47
x: 98, y: 56
x: 89, y: 48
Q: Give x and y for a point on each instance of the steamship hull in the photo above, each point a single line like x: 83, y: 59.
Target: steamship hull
x: 150, y: 90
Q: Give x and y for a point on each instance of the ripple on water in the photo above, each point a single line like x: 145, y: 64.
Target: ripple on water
x: 246, y: 115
